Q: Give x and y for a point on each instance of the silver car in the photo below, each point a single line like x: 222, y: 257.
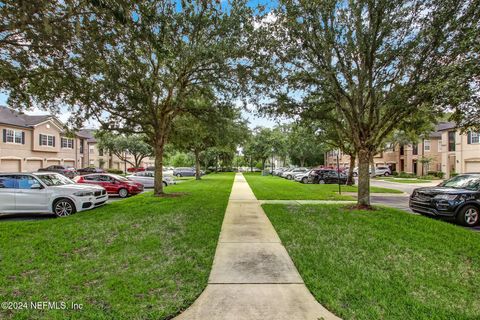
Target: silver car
x: 147, y: 178
x: 47, y: 192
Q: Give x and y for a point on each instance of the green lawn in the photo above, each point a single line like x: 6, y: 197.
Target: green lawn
x: 385, y: 264
x: 405, y: 180
x: 138, y: 258
x: 276, y: 188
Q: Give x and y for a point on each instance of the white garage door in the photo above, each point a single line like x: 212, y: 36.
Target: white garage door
x: 472, y: 166
x: 9, y: 165
x: 53, y: 162
x: 69, y: 163
x: 33, y: 165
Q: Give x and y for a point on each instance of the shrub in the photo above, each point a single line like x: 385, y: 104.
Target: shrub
x: 453, y: 174
x: 427, y: 177
x: 394, y: 173
x: 115, y: 171
x: 406, y: 175
x: 438, y: 174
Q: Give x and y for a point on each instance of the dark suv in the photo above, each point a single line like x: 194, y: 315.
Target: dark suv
x: 326, y: 176
x: 458, y: 198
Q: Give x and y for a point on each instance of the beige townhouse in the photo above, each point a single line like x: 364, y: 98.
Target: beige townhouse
x: 460, y: 152
x: 32, y: 142
x: 446, y: 149
x: 29, y: 143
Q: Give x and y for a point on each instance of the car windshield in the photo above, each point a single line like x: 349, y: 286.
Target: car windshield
x: 467, y: 182
x: 54, y: 179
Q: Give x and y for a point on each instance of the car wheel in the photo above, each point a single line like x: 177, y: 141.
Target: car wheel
x: 63, y: 208
x: 468, y: 216
x: 386, y: 174
x: 179, y: 175
x: 305, y: 180
x: 321, y: 181
x: 355, y: 174
x: 123, y: 193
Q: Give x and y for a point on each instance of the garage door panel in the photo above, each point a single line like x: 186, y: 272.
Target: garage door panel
x: 472, y: 166
x: 9, y: 165
x: 53, y: 163
x: 69, y: 163
x: 33, y: 165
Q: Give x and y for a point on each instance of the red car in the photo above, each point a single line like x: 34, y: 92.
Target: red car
x: 139, y: 169
x: 114, y: 184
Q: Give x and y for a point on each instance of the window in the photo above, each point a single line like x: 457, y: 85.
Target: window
x: 415, y: 149
x: 100, y: 152
x: 67, y: 143
x: 439, y: 145
x: 47, y: 140
x: 426, y: 145
x: 26, y: 182
x: 91, y: 151
x: 474, y: 137
x: 81, y: 145
x: 13, y: 136
x: 7, y: 182
x: 451, y: 140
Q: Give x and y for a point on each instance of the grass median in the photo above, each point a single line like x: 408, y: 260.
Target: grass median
x: 383, y: 264
x: 276, y: 188
x: 139, y: 258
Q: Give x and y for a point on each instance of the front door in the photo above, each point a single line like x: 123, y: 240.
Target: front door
x: 414, y: 167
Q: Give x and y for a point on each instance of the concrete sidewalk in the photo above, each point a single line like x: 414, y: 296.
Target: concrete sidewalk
x: 253, y: 276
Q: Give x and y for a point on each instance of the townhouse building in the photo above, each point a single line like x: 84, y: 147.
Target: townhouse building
x: 446, y: 149
x: 28, y: 143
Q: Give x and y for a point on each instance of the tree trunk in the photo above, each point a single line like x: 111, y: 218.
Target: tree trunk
x: 198, y: 175
x: 350, y: 180
x: 302, y: 162
x: 263, y: 164
x: 364, y: 157
x: 158, y: 184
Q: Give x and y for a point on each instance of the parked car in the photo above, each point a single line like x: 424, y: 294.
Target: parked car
x: 184, y: 172
x: 302, y: 177
x: 290, y: 173
x: 325, y: 176
x: 133, y: 169
x: 456, y: 198
x: 379, y: 171
x: 68, y: 172
x: 114, y: 184
x: 147, y: 178
x: 47, y: 193
x: 89, y: 170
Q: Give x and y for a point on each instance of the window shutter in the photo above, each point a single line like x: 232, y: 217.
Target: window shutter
x: 40, y: 139
x: 23, y: 137
x: 53, y: 141
x: 4, y: 135
x: 469, y: 137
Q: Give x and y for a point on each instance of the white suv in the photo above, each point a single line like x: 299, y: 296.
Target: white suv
x: 379, y: 171
x: 47, y: 192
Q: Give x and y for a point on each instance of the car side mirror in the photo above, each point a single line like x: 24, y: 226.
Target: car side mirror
x: 36, y: 186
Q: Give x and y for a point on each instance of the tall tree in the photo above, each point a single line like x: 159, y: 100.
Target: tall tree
x: 125, y: 146
x: 206, y: 129
x: 376, y: 63
x: 138, y: 72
